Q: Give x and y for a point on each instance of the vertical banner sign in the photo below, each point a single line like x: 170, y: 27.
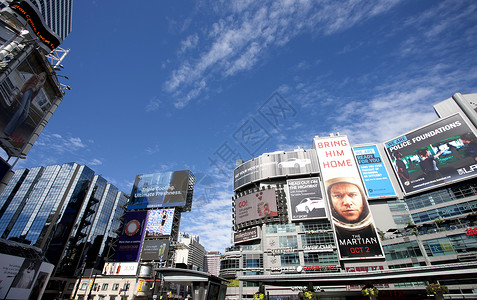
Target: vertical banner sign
x: 130, y: 240
x: 353, y: 225
x: 305, y: 199
x: 373, y: 172
x: 438, y: 153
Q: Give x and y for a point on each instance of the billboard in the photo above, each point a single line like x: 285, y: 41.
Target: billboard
x: 435, y: 154
x: 130, y: 240
x: 120, y: 268
x: 305, y: 199
x: 159, y: 223
x: 373, y: 172
x: 256, y: 205
x: 353, y: 224
x: 26, y: 96
x: 246, y: 235
x: 158, y: 190
x: 23, y: 278
x: 272, y: 165
x: 156, y: 250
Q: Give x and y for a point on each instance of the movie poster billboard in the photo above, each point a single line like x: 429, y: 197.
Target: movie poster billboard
x: 256, y: 205
x: 26, y: 95
x: 305, y: 199
x: 435, y: 154
x: 373, y: 172
x: 168, y: 189
x: 129, y: 243
x: 275, y: 164
x: 156, y: 250
x: 353, y: 225
x: 159, y: 223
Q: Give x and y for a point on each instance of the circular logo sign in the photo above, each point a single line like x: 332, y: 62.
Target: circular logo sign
x: 132, y: 227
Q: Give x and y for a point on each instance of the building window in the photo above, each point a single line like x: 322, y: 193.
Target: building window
x: 71, y: 286
x: 229, y: 264
x: 321, y: 258
x: 288, y: 241
x: 317, y: 239
x: 315, y: 226
x: 95, y: 287
x: 401, y: 251
x: 290, y: 259
x: 104, y: 287
x: 115, y: 286
x: 126, y: 287
x: 253, y: 260
x: 83, y: 286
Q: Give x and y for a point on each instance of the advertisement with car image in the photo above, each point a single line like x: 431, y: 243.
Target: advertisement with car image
x: 305, y: 199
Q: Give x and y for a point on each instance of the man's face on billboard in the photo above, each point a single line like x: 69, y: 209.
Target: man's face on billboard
x: 347, y: 201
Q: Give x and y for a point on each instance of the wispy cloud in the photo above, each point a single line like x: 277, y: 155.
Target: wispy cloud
x: 239, y: 40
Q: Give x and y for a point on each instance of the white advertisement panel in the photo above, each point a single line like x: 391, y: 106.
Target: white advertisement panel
x: 257, y: 205
x: 353, y: 224
x: 22, y: 278
x: 120, y: 268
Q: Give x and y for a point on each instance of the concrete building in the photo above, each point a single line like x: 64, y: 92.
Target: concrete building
x: 297, y: 228
x: 189, y: 253
x: 212, y: 262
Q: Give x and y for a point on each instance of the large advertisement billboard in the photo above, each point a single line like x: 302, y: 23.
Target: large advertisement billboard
x: 305, y: 199
x: 23, y: 278
x: 26, y: 96
x: 353, y: 224
x: 131, y: 237
x: 158, y: 190
x: 374, y: 173
x: 256, y: 205
x: 272, y: 165
x: 156, y: 250
x: 438, y: 153
x: 159, y: 223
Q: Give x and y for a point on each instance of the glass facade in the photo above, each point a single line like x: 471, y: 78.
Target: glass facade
x: 64, y: 209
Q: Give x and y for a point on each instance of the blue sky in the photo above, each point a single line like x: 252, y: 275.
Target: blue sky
x: 166, y: 85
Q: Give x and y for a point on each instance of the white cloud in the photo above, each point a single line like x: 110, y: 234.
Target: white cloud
x: 95, y: 162
x: 240, y: 39
x: 76, y: 142
x: 153, y: 104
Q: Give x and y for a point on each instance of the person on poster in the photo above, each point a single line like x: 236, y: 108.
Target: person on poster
x: 355, y: 232
x: 470, y: 143
x: 26, y: 276
x: 29, y: 91
x: 163, y: 221
x: 428, y: 164
x: 401, y: 169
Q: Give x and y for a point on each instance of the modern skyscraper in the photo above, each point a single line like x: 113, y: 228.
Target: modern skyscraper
x: 65, y: 210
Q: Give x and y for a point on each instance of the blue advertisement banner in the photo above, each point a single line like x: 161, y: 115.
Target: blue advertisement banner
x: 131, y: 237
x: 168, y: 189
x: 374, y: 173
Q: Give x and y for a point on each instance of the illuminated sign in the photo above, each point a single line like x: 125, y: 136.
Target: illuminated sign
x: 29, y: 14
x: 320, y: 268
x: 471, y: 231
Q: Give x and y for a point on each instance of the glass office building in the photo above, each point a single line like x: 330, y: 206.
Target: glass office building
x: 67, y: 211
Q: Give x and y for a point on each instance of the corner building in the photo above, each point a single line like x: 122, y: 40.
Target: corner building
x: 416, y: 224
